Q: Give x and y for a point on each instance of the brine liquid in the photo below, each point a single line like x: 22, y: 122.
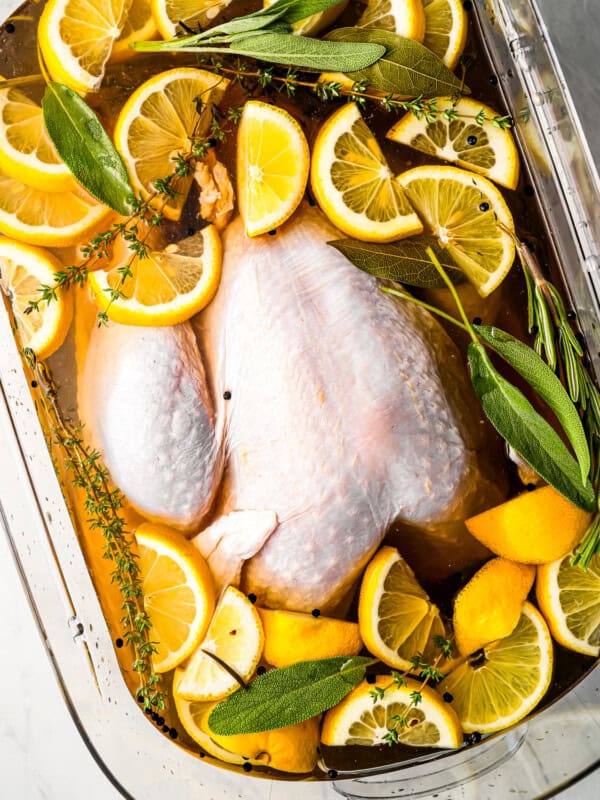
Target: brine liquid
x: 444, y: 569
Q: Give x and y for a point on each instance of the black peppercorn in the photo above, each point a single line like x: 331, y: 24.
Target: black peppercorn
x: 227, y: 395
x: 471, y: 140
x: 9, y: 27
x: 315, y: 612
x: 484, y: 206
x: 448, y: 698
x: 247, y: 767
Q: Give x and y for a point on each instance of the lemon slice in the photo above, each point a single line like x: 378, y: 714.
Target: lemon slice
x: 23, y: 269
x: 569, y: 598
x: 76, y: 38
x: 536, y: 527
x: 55, y: 219
x: 26, y: 150
x: 395, y: 616
x: 504, y: 682
x: 404, y: 17
x: 311, y: 26
x: 179, y: 594
x: 272, y: 166
x: 196, y: 14
x: 360, y: 720
x: 157, y: 123
x: 291, y: 636
x: 235, y: 636
x: 462, y: 211
x: 490, y: 605
x: 139, y: 26
x: 485, y: 149
x: 166, y: 287
x: 353, y: 184
x: 446, y: 28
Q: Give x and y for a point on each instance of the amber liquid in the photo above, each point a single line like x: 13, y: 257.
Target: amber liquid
x: 443, y: 569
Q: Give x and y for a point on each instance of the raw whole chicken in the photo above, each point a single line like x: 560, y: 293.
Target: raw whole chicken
x: 337, y: 411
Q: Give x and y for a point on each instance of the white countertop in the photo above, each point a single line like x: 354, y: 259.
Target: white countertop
x: 42, y: 756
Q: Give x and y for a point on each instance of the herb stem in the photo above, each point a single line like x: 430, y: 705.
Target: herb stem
x: 461, y: 310
x: 427, y: 306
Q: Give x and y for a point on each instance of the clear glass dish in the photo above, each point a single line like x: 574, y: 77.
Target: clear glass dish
x: 551, y: 750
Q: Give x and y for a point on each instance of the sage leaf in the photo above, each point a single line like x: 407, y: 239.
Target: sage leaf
x: 288, y: 695
x: 299, y: 51
x: 526, y: 431
x: 86, y: 148
x: 405, y: 261
x: 546, y: 384
x: 407, y: 68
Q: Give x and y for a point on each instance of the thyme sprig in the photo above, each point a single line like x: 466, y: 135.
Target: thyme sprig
x: 428, y: 672
x: 290, y: 80
x: 103, y: 504
x: 562, y: 349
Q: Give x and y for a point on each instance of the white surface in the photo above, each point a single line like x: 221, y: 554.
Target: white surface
x: 42, y: 756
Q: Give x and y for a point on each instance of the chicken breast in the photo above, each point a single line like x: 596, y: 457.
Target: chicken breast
x: 344, y: 410
x: 145, y: 404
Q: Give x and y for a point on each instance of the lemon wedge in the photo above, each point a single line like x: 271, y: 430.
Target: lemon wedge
x: 272, y: 166
x: 179, y: 594
x: 26, y: 150
x: 166, y: 286
x: 353, y: 184
x: 485, y: 149
x: 536, y: 527
x: 446, y: 28
x: 291, y: 636
x: 23, y: 270
x: 291, y: 749
x: 404, y: 17
x: 462, y: 210
x: 490, y: 605
x: 76, y: 39
x: 395, y: 616
x: 361, y: 720
x: 235, y: 636
x: 569, y: 599
x: 503, y: 683
x: 158, y: 122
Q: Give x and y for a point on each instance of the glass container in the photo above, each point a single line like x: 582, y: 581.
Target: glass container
x: 551, y: 750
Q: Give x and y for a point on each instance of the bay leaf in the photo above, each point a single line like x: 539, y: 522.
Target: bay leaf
x: 408, y: 68
x: 288, y: 695
x: 299, y: 51
x: 545, y: 383
x: 86, y: 148
x: 405, y: 261
x: 526, y: 431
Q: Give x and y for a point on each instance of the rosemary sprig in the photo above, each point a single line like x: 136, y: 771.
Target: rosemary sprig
x: 428, y: 673
x: 103, y: 504
x: 288, y: 81
x: 562, y: 349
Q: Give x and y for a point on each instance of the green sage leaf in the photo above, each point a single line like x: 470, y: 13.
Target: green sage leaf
x: 298, y: 51
x: 288, y: 695
x: 526, y: 431
x: 407, y: 68
x: 86, y: 148
x: 405, y: 261
x: 544, y: 381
